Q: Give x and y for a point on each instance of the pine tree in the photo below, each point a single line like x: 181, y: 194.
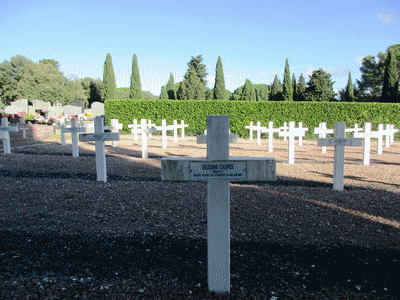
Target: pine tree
x: 349, y: 95
x: 170, y: 88
x: 248, y: 94
x: 287, y: 84
x: 136, y: 86
x: 219, y: 87
x: 110, y: 88
x: 390, y: 87
x: 193, y: 87
x: 294, y: 87
x: 200, y: 68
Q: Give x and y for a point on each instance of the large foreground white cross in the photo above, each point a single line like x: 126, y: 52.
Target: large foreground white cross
x: 74, y: 129
x: 270, y: 130
x: 322, y: 131
x: 218, y: 169
x: 291, y: 133
x: 99, y: 137
x: 339, y: 141
x: 5, y: 136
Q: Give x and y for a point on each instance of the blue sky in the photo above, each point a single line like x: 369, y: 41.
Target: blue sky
x: 252, y: 37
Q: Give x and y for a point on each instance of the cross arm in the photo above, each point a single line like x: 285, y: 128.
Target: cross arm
x: 202, y: 139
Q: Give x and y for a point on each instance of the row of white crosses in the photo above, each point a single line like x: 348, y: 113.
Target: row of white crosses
x: 218, y: 168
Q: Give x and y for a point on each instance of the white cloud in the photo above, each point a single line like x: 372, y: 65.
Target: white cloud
x: 387, y: 18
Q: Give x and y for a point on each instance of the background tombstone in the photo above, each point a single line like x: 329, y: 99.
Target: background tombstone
x: 72, y: 110
x: 79, y: 103
x: 97, y: 109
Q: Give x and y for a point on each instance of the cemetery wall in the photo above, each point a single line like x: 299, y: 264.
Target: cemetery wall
x: 194, y: 112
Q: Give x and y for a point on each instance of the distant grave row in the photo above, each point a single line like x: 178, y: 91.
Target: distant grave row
x: 54, y: 110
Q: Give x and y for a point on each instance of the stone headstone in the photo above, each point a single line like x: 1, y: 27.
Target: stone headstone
x: 97, y: 109
x: 79, y: 103
x: 39, y: 104
x: 72, y: 110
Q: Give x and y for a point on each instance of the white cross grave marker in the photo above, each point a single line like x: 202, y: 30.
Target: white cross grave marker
x: 366, y: 135
x: 145, y: 131
x: 284, y: 128
x: 393, y: 132
x: 182, y: 127
x: 257, y: 128
x: 218, y: 169
x: 5, y: 136
x: 355, y: 129
x: 292, y: 133
x: 74, y: 129
x: 164, y: 129
x: 251, y: 128
x: 99, y: 136
x: 270, y: 130
x: 150, y: 125
x: 135, y: 129
x: 115, y: 127
x: 322, y: 131
x: 339, y: 141
x: 301, y: 136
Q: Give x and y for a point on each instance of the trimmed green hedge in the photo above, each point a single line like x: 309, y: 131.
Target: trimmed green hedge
x: 194, y: 113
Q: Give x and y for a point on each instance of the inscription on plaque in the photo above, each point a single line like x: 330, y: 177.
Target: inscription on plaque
x: 218, y: 170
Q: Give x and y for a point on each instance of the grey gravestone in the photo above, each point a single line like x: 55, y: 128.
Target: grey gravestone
x: 97, y: 109
x: 72, y: 110
x: 79, y: 103
x: 39, y: 104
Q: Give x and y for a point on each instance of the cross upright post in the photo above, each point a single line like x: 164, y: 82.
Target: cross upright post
x: 74, y: 129
x: 145, y: 131
x: 135, y: 129
x: 322, y: 131
x: 115, y: 127
x: 366, y: 135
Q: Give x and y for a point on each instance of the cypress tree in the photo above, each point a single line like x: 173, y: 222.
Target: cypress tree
x: 249, y: 93
x: 219, y: 87
x: 136, y: 86
x: 110, y: 88
x: 287, y: 84
x: 276, y: 90
x: 349, y: 95
x: 294, y: 87
x: 391, y: 79
x: 170, y: 88
x: 301, y: 89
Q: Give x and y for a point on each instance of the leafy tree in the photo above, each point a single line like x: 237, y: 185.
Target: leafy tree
x: 123, y: 93
x: 110, y: 88
x: 136, y: 86
x: 390, y: 88
x: 237, y: 94
x: 149, y: 95
x: 262, y: 92
x: 320, y: 87
x: 228, y: 94
x: 219, y: 87
x: 248, y: 93
x: 294, y: 84
x: 170, y: 88
x: 96, y: 91
x: 349, y: 93
x: 276, y: 90
x: 287, y: 84
x: 371, y: 79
